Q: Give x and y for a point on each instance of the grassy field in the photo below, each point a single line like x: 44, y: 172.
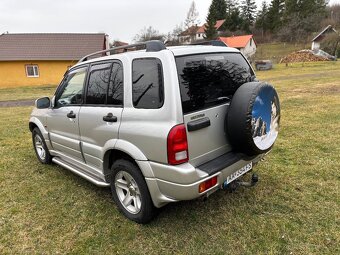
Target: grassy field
x: 276, y: 51
x: 294, y: 209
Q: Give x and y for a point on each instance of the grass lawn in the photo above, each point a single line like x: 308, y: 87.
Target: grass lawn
x: 294, y: 209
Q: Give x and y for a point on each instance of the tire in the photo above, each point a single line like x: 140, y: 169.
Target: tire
x: 253, y: 118
x: 128, y: 184
x: 40, y: 147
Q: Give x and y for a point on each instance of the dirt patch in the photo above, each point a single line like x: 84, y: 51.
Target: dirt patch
x: 14, y: 103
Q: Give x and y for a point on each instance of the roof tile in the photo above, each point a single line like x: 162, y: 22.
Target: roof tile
x: 41, y: 46
x: 236, y: 41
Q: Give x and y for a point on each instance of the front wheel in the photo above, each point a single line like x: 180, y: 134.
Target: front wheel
x: 130, y: 192
x: 40, y: 147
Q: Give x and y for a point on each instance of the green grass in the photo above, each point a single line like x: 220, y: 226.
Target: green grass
x: 294, y: 209
x: 276, y: 51
x: 19, y: 93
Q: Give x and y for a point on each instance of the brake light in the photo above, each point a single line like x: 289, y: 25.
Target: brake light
x: 177, y: 145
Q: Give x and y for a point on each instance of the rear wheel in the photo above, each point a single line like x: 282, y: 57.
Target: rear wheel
x: 130, y: 192
x: 40, y: 147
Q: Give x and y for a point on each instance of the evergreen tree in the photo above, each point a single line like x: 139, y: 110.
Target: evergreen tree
x: 210, y: 30
x: 248, y: 8
x: 219, y: 8
x: 301, y: 18
x: 217, y: 11
x: 261, y: 20
x: 230, y: 7
x: 233, y: 19
x: 275, y: 15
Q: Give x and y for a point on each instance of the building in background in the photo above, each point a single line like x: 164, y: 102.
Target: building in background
x: 316, y: 42
x: 42, y: 59
x: 197, y: 33
x: 245, y: 43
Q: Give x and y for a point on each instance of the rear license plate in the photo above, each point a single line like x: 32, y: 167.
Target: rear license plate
x: 239, y: 172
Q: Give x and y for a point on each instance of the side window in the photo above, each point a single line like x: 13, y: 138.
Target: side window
x: 98, y: 84
x: 115, y: 93
x: 147, y: 83
x: 72, y: 91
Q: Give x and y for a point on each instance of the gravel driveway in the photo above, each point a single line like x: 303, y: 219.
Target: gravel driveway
x: 13, y: 103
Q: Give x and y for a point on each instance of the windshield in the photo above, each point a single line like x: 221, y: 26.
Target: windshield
x: 210, y: 79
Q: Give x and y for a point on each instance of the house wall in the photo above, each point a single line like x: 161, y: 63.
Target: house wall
x: 249, y: 50
x: 13, y: 73
x: 315, y: 45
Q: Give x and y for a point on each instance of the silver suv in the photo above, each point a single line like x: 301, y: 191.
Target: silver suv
x: 157, y: 124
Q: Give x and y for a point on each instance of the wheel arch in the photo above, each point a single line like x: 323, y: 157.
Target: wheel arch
x: 35, y: 122
x: 125, y: 150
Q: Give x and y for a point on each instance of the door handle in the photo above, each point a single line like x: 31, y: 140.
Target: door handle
x: 198, y: 124
x: 71, y: 115
x: 110, y: 118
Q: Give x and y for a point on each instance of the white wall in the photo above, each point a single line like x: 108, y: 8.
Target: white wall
x: 315, y: 45
x: 250, y: 49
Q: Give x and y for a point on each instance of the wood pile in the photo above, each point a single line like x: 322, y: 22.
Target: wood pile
x: 302, y: 56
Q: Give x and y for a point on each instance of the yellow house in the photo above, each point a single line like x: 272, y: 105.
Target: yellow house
x: 42, y: 59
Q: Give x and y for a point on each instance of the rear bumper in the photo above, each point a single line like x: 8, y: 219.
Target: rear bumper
x: 175, y: 183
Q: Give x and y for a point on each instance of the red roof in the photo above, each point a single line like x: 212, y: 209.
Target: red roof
x: 236, y: 41
x: 191, y: 30
x: 218, y: 24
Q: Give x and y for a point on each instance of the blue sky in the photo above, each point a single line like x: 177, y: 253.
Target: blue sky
x: 262, y: 106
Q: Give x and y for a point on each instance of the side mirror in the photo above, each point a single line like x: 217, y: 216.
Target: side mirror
x: 43, y: 103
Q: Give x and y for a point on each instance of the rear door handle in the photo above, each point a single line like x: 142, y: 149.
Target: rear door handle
x: 198, y: 124
x: 71, y: 115
x: 110, y: 118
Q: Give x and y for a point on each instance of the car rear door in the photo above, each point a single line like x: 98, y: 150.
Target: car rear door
x: 207, y: 84
x: 100, y: 115
x: 62, y: 119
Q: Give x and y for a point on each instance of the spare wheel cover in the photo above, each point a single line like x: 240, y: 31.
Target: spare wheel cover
x: 253, y: 118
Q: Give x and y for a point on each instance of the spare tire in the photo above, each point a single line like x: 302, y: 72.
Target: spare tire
x: 253, y: 118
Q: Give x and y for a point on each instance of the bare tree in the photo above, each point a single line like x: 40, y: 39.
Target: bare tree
x: 192, y: 16
x: 147, y: 34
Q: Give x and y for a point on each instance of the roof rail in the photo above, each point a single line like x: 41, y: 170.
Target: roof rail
x: 212, y: 43
x: 150, y: 46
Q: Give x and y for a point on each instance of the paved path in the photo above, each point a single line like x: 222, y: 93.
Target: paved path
x: 13, y: 103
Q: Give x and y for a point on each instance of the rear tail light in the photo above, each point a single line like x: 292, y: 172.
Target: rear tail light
x: 177, y: 145
x: 207, y: 184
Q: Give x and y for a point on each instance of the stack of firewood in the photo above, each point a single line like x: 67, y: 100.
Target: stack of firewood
x: 302, y: 56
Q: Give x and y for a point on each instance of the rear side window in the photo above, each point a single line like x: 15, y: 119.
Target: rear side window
x: 147, y: 83
x: 210, y: 79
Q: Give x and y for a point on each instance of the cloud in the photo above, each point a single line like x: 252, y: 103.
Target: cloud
x: 259, y: 100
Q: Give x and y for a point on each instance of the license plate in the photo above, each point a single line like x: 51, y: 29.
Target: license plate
x: 239, y: 172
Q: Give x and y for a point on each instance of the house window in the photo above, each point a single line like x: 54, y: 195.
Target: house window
x: 32, y: 71
x: 251, y: 41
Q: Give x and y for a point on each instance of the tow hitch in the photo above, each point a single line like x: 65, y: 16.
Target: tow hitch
x: 237, y: 183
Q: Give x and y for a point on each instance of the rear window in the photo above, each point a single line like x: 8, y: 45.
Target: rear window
x: 210, y: 79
